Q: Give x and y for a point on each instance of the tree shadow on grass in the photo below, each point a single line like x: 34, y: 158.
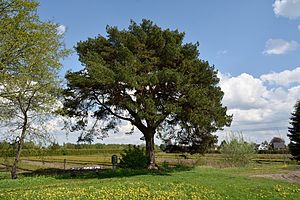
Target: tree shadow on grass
x: 105, y: 173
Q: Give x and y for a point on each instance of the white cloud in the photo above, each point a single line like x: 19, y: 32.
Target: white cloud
x: 55, y: 125
x: 61, y: 29
x: 261, y: 110
x: 222, y: 52
x: 287, y: 8
x: 283, y: 78
x: 279, y: 46
x: 121, y: 138
x: 299, y: 27
x: 243, y: 91
x: 250, y: 115
x: 294, y: 92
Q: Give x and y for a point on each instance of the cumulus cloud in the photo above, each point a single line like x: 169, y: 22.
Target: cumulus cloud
x: 261, y: 110
x: 61, y: 29
x: 287, y: 8
x: 245, y: 89
x: 279, y: 46
x: 282, y: 78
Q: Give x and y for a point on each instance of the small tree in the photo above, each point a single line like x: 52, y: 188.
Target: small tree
x: 30, y: 60
x: 236, y: 151
x: 294, y: 134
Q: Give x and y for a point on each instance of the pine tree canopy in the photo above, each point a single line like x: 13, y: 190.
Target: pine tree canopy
x: 294, y: 134
x: 147, y: 76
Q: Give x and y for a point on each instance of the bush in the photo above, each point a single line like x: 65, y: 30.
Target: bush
x: 236, y: 151
x: 133, y: 158
x: 280, y: 151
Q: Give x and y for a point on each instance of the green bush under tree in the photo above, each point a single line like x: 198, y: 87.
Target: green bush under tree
x: 133, y: 158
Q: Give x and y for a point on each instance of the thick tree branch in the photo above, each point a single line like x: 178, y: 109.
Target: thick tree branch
x: 101, y: 103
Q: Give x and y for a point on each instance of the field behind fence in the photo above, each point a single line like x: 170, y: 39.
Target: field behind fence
x: 102, y: 158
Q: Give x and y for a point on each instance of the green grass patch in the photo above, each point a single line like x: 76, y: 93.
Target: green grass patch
x: 184, y: 183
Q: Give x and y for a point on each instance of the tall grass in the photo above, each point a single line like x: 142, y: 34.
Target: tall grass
x: 237, y: 152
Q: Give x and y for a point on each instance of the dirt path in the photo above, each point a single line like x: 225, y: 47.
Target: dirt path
x: 176, y: 160
x: 290, y: 176
x: 44, y: 164
x: 3, y: 167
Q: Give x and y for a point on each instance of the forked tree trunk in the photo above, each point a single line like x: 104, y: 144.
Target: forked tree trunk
x: 19, y: 145
x: 149, y: 137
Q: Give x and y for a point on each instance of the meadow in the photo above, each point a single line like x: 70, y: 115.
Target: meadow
x: 197, y: 177
x: 195, y: 183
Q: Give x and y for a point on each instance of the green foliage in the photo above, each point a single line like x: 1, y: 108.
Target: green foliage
x: 133, y: 158
x: 30, y: 56
x: 16, y: 16
x: 32, y: 149
x: 9, y: 152
x: 279, y: 151
x: 294, y: 134
x: 148, y: 77
x: 198, y: 183
x: 236, y: 151
x: 30, y: 52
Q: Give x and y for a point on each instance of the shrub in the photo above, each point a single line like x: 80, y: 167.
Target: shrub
x: 133, y: 158
x: 280, y: 151
x: 236, y: 151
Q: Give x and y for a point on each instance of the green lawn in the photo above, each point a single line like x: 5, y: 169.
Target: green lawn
x: 197, y: 183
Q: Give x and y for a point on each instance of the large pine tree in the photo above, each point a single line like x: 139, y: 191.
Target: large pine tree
x: 294, y: 135
x: 148, y: 77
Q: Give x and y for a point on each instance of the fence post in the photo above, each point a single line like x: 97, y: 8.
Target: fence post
x: 65, y: 161
x: 114, y: 161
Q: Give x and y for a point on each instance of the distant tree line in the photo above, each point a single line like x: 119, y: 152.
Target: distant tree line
x: 275, y: 146
x: 32, y: 149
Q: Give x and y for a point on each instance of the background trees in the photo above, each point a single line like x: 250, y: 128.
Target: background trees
x: 30, y: 60
x: 148, y: 77
x: 294, y: 134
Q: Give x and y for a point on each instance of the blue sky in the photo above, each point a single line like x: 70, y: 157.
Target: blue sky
x: 232, y: 34
x: 254, y: 45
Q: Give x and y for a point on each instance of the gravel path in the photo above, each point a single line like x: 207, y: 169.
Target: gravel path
x: 291, y: 176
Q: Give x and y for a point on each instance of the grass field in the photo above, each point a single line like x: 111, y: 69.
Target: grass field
x: 185, y: 183
x: 31, y: 163
x: 208, y: 181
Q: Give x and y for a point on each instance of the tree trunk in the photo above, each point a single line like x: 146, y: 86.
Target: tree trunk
x: 17, y: 159
x: 149, y: 137
x: 19, y: 145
